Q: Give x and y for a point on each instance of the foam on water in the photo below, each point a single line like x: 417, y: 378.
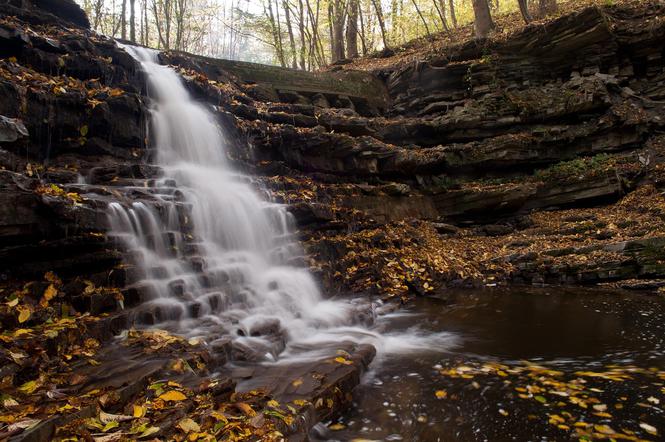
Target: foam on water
x: 238, y: 280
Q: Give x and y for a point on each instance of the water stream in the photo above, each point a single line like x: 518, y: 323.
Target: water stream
x: 494, y: 384
x: 216, y: 255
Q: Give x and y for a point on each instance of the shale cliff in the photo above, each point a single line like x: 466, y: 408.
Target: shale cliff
x: 531, y: 159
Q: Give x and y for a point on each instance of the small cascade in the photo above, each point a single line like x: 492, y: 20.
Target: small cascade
x: 214, y: 259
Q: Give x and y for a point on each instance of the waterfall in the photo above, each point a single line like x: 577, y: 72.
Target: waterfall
x: 215, y: 257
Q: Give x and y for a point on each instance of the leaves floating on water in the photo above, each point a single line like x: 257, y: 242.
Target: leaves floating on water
x: 574, y: 402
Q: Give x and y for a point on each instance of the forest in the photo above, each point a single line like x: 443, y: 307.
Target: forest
x: 303, y: 34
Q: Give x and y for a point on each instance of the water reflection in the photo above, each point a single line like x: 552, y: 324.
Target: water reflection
x: 571, y: 331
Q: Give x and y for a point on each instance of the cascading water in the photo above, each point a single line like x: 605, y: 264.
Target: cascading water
x: 216, y: 258
x: 215, y: 255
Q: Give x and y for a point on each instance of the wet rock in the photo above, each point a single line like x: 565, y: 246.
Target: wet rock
x: 11, y: 130
x: 65, y: 9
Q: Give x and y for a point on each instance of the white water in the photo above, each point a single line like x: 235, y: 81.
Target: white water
x: 215, y: 255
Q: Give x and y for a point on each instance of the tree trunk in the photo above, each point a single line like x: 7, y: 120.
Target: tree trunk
x: 524, y: 10
x: 441, y: 10
x: 338, y: 16
x: 316, y: 50
x: 363, y: 41
x: 483, y: 20
x: 180, y: 10
x: 379, y: 16
x: 352, y: 30
x: 167, y: 24
x: 123, y: 20
x: 453, y: 16
x: 301, y: 29
x: 132, y: 21
x: 146, y: 23
x: 394, y: 18
x: 277, y: 38
x: 546, y: 7
x: 292, y: 41
x: 421, y: 17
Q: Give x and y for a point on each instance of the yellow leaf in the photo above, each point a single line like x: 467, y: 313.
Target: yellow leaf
x: 297, y: 382
x: 49, y: 294
x: 336, y: 427
x: 139, y: 411
x: 24, y: 314
x: 149, y: 432
x: 84, y: 130
x: 342, y: 360
x: 246, y: 408
x: 52, y: 277
x: 29, y: 387
x: 441, y: 394
x: 604, y: 429
x: 188, y: 425
x: 173, y: 396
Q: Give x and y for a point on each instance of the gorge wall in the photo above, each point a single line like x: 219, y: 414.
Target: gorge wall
x: 536, y: 158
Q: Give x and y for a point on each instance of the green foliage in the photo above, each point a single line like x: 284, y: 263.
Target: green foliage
x: 587, y: 166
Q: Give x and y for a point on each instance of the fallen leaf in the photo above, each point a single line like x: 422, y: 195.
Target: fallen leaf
x: 24, y: 313
x: 649, y: 428
x: 188, y: 425
x: 22, y: 425
x: 342, y: 360
x: 149, y: 432
x: 49, y: 294
x: 604, y: 429
x: 246, y: 409
x: 172, y: 396
x: 29, y: 387
x: 105, y: 418
x: 139, y: 411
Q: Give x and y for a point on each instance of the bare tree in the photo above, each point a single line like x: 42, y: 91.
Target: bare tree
x: 379, y: 16
x: 483, y: 20
x: 180, y: 9
x: 352, y: 29
x: 337, y: 14
x: 276, y: 32
x: 415, y: 4
x: 132, y: 21
x: 441, y: 10
x: 453, y: 16
x: 363, y: 38
x: 524, y: 10
x: 546, y: 7
x: 123, y: 20
x: 301, y: 31
x: 287, y: 16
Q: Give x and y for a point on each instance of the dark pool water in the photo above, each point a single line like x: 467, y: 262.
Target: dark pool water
x: 529, y: 364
